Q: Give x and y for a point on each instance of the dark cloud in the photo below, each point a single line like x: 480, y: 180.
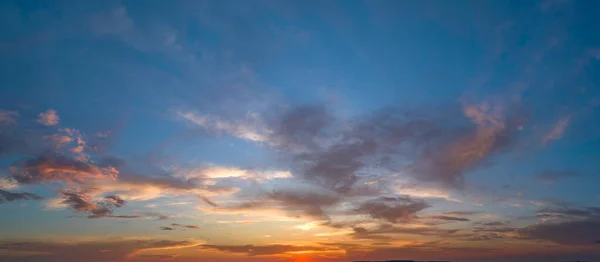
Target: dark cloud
x: 298, y: 129
x: 252, y: 250
x: 117, y: 201
x: 81, y: 201
x: 442, y: 143
x: 110, y: 249
x: 492, y: 132
x: 185, y: 226
x: 208, y: 201
x: 392, y: 209
x: 461, y: 213
x: 495, y: 229
x: 53, y: 167
x: 549, y: 176
x: 6, y: 196
x: 154, y: 215
x: 166, y: 228
x: 387, y: 231
x: 300, y: 202
x: 449, y: 218
x: 567, y: 212
x: 495, y: 224
x: 578, y: 232
x: 484, y: 237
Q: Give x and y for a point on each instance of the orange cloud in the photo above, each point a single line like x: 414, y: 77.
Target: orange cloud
x: 59, y: 168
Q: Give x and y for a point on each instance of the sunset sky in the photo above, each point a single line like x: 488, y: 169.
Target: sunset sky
x: 300, y: 131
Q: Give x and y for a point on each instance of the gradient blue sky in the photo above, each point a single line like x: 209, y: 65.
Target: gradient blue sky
x: 310, y: 130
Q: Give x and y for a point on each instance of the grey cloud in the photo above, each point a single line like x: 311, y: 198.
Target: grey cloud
x: 580, y: 232
x: 185, y: 226
x: 155, y: 215
x: 298, y: 128
x: 449, y: 218
x: 392, y: 209
x: 495, y: 223
x: 81, y: 201
x: 166, y: 228
x: 386, y: 231
x: 208, y: 201
x: 6, y: 196
x: 570, y: 212
x: 309, y: 203
x: 461, y: 213
x: 495, y: 229
x: 116, y: 200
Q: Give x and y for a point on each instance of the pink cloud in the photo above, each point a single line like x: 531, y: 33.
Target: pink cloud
x: 48, y: 118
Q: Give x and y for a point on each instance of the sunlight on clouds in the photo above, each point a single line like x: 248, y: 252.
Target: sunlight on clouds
x: 307, y: 226
x: 6, y: 183
x: 214, y: 172
x: 251, y: 128
x: 419, y: 191
x: 334, y: 233
x: 55, y: 204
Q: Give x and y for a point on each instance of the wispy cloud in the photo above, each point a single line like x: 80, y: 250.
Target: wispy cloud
x: 250, y: 128
x: 8, y: 117
x: 557, y: 130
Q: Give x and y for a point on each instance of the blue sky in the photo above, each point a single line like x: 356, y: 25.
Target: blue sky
x: 310, y: 130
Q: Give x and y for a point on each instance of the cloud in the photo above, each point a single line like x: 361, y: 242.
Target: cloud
x: 304, y: 202
x: 255, y: 250
x: 494, y: 131
x: 495, y: 223
x: 462, y: 213
x: 104, y: 249
x: 549, y: 176
x: 154, y: 215
x: 8, y: 117
x: 6, y: 196
x: 386, y: 231
x: 48, y: 118
x: 81, y: 201
x: 579, y: 232
x: 449, y: 218
x: 58, y: 168
x: 166, y: 228
x: 59, y: 140
x: 249, y: 129
x: 557, y: 131
x: 185, y: 226
x: 216, y: 172
x: 569, y: 213
x: 301, y: 200
x: 392, y: 209
x: 208, y: 201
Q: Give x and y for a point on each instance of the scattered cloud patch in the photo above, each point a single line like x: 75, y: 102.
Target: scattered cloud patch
x: 48, y: 118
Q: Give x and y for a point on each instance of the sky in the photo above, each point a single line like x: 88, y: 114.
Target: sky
x: 301, y: 131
